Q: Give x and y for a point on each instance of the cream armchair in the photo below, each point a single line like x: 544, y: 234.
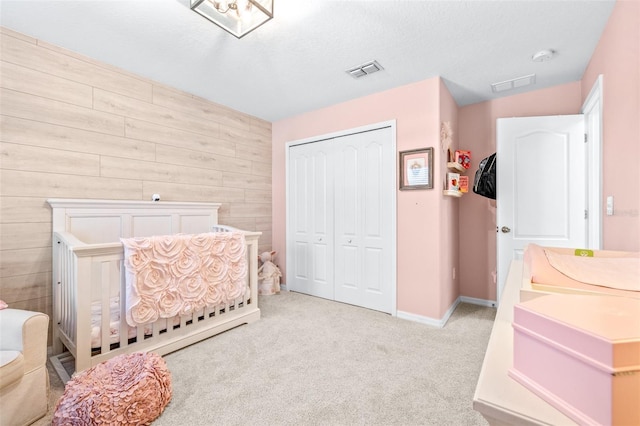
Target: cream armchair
x: 24, y: 380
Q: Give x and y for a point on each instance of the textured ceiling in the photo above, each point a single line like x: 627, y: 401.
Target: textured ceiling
x: 297, y: 61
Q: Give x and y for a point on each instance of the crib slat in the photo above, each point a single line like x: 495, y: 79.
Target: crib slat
x: 65, y: 265
x: 100, y: 276
x: 157, y: 326
x: 122, y: 292
x: 64, y: 290
x: 139, y: 335
x: 69, y: 296
x: 102, y: 280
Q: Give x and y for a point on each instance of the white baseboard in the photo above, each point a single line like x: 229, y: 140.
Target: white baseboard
x: 481, y: 302
x: 428, y: 320
x: 283, y: 287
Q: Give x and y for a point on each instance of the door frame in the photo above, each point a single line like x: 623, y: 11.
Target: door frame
x: 593, y: 106
x: 394, y: 225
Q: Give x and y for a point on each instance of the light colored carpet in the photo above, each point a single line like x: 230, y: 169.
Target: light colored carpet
x: 310, y: 361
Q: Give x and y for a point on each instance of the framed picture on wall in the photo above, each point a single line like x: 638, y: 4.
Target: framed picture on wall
x: 416, y: 169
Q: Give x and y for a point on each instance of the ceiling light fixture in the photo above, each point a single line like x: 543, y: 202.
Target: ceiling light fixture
x: 238, y: 17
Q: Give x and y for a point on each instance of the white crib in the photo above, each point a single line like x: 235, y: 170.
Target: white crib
x: 88, y: 269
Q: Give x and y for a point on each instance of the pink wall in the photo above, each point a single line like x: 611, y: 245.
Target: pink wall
x: 415, y: 108
x: 617, y: 58
x: 477, y: 128
x: 425, y: 283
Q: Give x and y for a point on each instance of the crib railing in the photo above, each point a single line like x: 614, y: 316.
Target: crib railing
x: 86, y: 274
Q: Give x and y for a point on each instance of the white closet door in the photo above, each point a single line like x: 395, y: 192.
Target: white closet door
x: 311, y: 219
x: 341, y: 218
x: 364, y: 191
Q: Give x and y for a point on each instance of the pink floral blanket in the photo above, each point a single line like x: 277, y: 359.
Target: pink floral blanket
x: 173, y: 275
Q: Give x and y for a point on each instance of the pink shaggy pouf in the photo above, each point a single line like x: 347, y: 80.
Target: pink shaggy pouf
x: 127, y: 389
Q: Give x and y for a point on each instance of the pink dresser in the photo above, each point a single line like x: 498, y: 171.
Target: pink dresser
x: 581, y: 354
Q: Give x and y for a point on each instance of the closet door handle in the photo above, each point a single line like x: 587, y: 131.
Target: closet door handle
x: 349, y: 241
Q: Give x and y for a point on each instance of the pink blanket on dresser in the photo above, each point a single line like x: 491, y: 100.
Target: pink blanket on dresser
x: 622, y: 273
x: 610, y: 272
x: 173, y: 275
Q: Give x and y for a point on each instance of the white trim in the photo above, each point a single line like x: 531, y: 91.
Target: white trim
x: 480, y: 302
x: 593, y: 104
x: 394, y: 236
x: 346, y: 132
x: 287, y: 219
x: 72, y: 203
x: 440, y: 323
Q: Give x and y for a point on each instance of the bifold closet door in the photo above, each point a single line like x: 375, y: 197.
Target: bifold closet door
x: 365, y: 184
x: 311, y: 219
x: 341, y: 219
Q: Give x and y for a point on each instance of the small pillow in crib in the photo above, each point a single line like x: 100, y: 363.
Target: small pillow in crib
x: 129, y: 389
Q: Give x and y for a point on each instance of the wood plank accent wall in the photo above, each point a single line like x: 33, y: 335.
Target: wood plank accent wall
x: 73, y: 127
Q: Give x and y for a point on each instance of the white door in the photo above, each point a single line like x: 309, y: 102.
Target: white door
x: 341, y: 219
x: 541, y: 186
x: 311, y: 219
x: 364, y: 191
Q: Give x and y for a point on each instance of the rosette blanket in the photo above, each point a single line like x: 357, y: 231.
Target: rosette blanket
x: 171, y: 275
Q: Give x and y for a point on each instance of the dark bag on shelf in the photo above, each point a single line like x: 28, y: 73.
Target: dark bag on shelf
x: 485, y: 181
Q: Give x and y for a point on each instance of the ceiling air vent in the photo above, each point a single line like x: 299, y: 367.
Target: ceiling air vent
x: 514, y: 83
x: 365, y: 69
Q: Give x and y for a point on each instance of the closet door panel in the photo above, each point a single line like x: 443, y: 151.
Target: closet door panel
x: 350, y: 278
x: 380, y: 229
x: 373, y: 260
x: 373, y: 188
x: 299, y: 212
x: 373, y: 245
x: 348, y: 223
x: 311, y: 211
x: 320, y: 277
x: 321, y: 210
x: 301, y: 263
x: 371, y: 236
x: 347, y: 192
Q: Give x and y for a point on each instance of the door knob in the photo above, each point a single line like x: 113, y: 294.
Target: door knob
x: 506, y: 230
x: 349, y: 241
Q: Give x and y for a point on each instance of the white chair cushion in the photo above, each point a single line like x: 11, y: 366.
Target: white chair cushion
x: 11, y: 367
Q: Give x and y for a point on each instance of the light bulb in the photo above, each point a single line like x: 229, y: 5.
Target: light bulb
x: 216, y: 5
x: 244, y: 9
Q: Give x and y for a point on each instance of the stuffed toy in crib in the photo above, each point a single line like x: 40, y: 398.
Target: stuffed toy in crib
x: 268, y: 274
